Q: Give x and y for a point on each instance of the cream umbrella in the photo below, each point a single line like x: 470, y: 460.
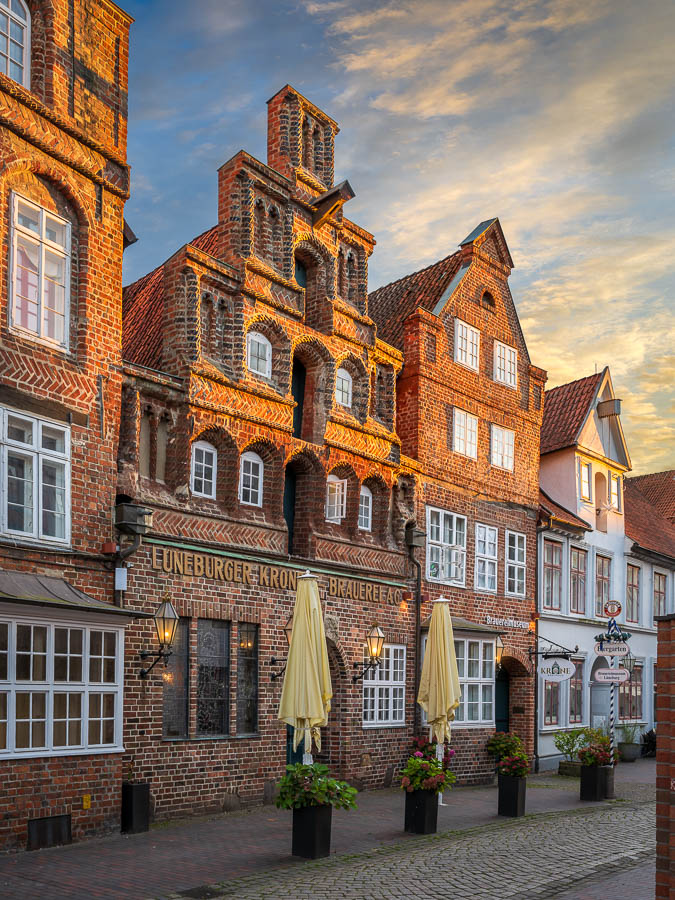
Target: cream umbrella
x: 439, y: 691
x: 307, y: 689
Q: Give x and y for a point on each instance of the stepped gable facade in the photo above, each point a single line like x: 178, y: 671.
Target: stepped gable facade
x: 469, y: 406
x: 63, y: 185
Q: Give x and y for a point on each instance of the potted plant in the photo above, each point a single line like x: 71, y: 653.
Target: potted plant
x: 423, y: 778
x: 512, y: 772
x: 135, y: 804
x: 649, y: 743
x: 593, y: 758
x: 568, y: 743
x: 629, y: 747
x: 504, y: 743
x: 311, y: 793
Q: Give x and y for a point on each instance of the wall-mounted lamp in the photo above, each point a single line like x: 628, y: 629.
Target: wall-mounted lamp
x: 499, y: 652
x: 288, y: 631
x: 375, y: 643
x: 166, y: 623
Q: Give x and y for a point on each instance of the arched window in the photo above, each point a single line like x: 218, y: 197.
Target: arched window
x: 365, y: 509
x: 258, y: 354
x: 343, y: 388
x: 203, y: 469
x: 15, y: 40
x: 336, y: 499
x: 251, y: 472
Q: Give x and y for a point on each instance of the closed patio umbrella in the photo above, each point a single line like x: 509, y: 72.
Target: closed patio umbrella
x: 307, y: 689
x: 439, y: 691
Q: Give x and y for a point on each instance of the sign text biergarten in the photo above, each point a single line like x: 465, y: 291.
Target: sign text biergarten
x: 173, y: 561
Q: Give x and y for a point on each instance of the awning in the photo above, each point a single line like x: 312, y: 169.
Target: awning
x: 460, y: 624
x: 46, y: 590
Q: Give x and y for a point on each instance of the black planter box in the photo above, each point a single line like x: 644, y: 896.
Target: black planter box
x: 421, y: 812
x: 511, y: 800
x: 608, y: 782
x: 593, y: 783
x: 311, y: 831
x: 135, y: 807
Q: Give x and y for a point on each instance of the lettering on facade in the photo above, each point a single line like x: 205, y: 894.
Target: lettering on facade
x: 173, y: 561
x: 507, y: 623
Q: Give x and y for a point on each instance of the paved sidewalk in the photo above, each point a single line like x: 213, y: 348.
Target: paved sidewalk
x: 180, y: 857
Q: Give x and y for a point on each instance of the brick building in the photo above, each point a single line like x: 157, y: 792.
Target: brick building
x: 63, y: 184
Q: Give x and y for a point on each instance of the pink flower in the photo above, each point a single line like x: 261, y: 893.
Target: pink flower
x: 418, y: 754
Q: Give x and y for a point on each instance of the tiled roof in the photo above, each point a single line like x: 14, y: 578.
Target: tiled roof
x: 142, y: 307
x: 390, y: 306
x: 659, y: 489
x: 645, y: 525
x: 565, y: 409
x: 560, y: 513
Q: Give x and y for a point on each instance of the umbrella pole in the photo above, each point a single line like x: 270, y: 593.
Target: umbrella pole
x: 439, y: 757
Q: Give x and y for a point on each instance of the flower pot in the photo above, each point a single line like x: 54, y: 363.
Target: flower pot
x: 593, y: 783
x: 421, y: 812
x: 135, y: 807
x: 311, y: 831
x: 511, y: 800
x: 629, y: 752
x: 569, y: 768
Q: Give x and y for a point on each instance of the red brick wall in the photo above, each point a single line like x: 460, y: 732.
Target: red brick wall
x: 665, y: 759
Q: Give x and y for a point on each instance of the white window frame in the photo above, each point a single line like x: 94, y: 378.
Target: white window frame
x: 467, y: 345
x: 637, y: 602
x: 365, y: 522
x: 515, y: 563
x: 247, y: 460
x: 484, y: 679
x: 487, y: 551
x: 450, y: 556
x: 26, y: 25
x: 344, y: 376
x: 42, y: 244
x: 502, y: 447
x: 205, y: 447
x: 505, y: 365
x: 657, y: 573
x: 615, y: 491
x: 85, y: 687
x: 552, y: 599
x: 588, y: 469
x: 383, y: 697
x: 263, y: 342
x: 465, y: 433
x: 336, y: 499
x: 38, y: 456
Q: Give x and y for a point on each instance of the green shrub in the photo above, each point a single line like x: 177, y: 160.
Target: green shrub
x: 505, y: 743
x: 312, y: 786
x: 569, y: 742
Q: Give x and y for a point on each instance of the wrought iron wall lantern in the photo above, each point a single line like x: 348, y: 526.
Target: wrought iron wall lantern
x: 166, y: 623
x: 499, y: 652
x: 375, y: 644
x: 288, y: 631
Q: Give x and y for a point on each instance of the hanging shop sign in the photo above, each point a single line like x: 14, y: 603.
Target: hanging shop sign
x: 556, y: 669
x: 612, y: 676
x: 612, y: 608
x: 611, y: 648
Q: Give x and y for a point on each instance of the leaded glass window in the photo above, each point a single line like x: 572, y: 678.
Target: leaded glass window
x: 176, y: 686
x: 247, y: 679
x: 213, y: 676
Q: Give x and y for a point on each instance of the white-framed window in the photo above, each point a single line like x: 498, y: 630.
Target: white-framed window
x: 502, y: 444
x: 258, y: 354
x: 446, y: 546
x: 384, y: 689
x: 336, y: 498
x: 552, y: 574
x: 578, y: 565
x: 660, y: 601
x: 615, y: 491
x: 585, y: 481
x: 475, y: 667
x: 15, y: 41
x: 343, y: 388
x: 40, y: 259
x: 34, y: 477
x: 60, y: 687
x: 204, y: 469
x: 551, y: 703
x: 365, y: 508
x: 251, y: 471
x: 506, y: 364
x: 603, y: 566
x: 465, y: 433
x: 467, y: 344
x: 486, y: 558
x: 632, y: 593
x: 516, y: 556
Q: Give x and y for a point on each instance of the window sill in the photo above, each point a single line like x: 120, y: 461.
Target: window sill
x: 17, y: 755
x: 466, y: 365
x: 37, y: 339
x: 35, y: 543
x: 513, y: 387
x: 371, y: 726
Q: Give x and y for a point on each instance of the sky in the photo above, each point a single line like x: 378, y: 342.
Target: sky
x: 558, y: 116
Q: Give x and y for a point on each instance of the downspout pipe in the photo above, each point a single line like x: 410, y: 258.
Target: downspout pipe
x: 418, y: 633
x: 536, y: 647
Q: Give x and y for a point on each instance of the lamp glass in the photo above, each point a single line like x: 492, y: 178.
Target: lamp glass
x: 288, y: 629
x: 499, y: 650
x: 166, y: 622
x: 375, y: 641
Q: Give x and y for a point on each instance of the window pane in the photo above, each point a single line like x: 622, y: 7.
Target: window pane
x: 474, y: 660
x: 20, y: 430
x: 213, y: 655
x: 54, y: 499
x: 26, y: 289
x: 247, y: 679
x: 4, y: 650
x: 19, y: 493
x: 56, y: 231
x: 26, y: 216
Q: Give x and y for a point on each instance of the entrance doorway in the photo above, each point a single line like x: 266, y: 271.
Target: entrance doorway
x: 502, y: 700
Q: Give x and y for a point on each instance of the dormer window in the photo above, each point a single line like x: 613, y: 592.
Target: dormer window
x: 259, y: 354
x: 467, y: 344
x: 506, y: 365
x: 15, y: 40
x: 343, y: 388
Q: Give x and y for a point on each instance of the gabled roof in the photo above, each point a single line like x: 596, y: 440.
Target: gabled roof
x: 560, y: 514
x: 566, y: 409
x: 143, y: 306
x: 659, y: 489
x: 644, y: 524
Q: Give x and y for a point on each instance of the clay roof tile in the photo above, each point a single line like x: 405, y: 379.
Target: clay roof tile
x: 565, y: 410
